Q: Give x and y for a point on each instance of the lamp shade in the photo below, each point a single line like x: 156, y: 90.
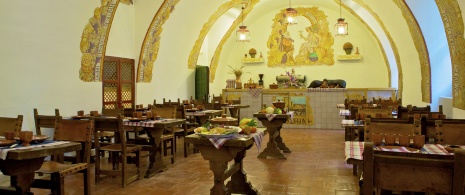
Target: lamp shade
x: 291, y: 18
x: 242, y: 35
x: 341, y: 28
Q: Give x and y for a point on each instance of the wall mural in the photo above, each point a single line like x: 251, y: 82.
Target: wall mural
x: 453, y: 25
x: 151, y: 44
x: 94, y: 40
x: 314, y: 50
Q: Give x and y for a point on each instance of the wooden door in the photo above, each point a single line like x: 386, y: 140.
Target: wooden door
x: 118, y: 83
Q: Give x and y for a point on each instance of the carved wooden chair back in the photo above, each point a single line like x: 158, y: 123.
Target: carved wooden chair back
x: 11, y: 124
x: 45, y: 121
x: 114, y: 112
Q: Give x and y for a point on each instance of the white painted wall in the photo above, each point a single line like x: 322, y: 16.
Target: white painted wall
x: 41, y: 58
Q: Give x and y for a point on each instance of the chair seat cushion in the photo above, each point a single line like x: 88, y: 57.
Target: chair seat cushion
x: 50, y: 167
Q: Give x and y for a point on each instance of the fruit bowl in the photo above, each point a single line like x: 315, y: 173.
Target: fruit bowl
x: 279, y: 104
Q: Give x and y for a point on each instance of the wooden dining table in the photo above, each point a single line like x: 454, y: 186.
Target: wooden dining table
x: 232, y: 149
x: 21, y: 164
x: 234, y: 109
x: 202, y: 116
x: 154, y: 129
x: 275, y: 143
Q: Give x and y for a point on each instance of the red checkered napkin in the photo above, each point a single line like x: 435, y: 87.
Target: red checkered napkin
x: 254, y: 92
x: 218, y: 142
x: 258, y: 138
x: 435, y: 149
x: 354, y: 150
x: 396, y: 149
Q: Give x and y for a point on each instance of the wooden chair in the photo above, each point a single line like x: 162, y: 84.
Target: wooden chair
x: 170, y: 103
x: 187, y: 129
x: 354, y: 102
x: 168, y: 139
x: 11, y: 124
x: 44, y: 121
x: 216, y: 101
x: 119, y: 149
x: 413, y: 172
x: 68, y: 130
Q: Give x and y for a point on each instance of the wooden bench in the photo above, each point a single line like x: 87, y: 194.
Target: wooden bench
x: 413, y: 172
x: 408, y: 126
x: 450, y: 131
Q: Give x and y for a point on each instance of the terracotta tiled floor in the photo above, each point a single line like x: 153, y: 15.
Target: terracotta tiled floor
x: 315, y: 166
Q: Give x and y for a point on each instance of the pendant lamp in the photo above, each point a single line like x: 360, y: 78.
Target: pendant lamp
x: 242, y: 35
x: 291, y: 14
x: 341, y: 28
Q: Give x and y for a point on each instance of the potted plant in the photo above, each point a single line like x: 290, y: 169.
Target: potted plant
x: 238, y: 72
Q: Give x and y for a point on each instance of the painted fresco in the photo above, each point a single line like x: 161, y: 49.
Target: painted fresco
x: 311, y: 45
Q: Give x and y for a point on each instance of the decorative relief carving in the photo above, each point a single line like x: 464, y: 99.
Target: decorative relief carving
x: 453, y: 25
x: 316, y: 48
x: 420, y: 45
x: 151, y: 44
x: 249, y: 4
x: 94, y: 40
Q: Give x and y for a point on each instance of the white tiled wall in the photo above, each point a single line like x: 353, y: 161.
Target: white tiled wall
x: 323, y: 104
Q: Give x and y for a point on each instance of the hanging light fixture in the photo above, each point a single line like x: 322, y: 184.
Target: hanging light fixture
x: 291, y: 14
x: 341, y: 28
x: 242, y: 35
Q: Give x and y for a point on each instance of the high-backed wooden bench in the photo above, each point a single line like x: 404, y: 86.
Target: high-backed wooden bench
x: 395, y: 125
x: 413, y: 172
x: 450, y: 131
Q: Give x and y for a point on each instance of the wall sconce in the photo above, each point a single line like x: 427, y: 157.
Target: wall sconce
x: 341, y: 28
x: 242, y: 35
x: 291, y: 15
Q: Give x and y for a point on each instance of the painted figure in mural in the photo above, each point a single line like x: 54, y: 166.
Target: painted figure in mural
x: 287, y: 45
x: 312, y: 41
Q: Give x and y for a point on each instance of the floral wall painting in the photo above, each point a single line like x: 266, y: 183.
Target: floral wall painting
x: 310, y: 45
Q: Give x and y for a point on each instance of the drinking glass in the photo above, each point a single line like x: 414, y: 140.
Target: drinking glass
x: 390, y: 139
x: 404, y: 140
x: 377, y: 138
x: 418, y: 141
x: 25, y: 137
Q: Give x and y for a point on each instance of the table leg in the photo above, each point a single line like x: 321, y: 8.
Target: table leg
x: 233, y: 112
x: 156, y: 163
x: 219, y: 159
x: 22, y: 174
x: 272, y: 149
x: 238, y: 183
x: 279, y: 142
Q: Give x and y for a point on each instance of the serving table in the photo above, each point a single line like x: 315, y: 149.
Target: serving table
x: 154, y: 129
x: 275, y: 142
x: 231, y: 149
x: 21, y: 163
